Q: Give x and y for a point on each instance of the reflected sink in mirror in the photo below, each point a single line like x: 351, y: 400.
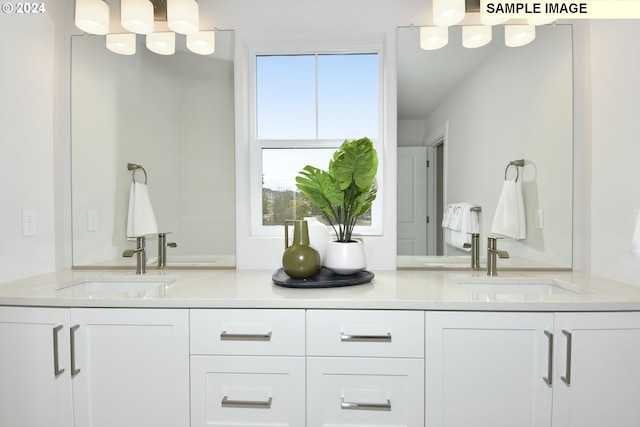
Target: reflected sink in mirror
x: 118, y: 286
x: 518, y: 285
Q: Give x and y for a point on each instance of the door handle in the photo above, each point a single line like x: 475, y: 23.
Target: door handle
x: 227, y: 336
x: 57, y: 370
x: 72, y: 340
x: 365, y: 338
x: 566, y: 378
x: 549, y: 378
x: 365, y: 406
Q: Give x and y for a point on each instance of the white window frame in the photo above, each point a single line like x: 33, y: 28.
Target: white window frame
x: 256, y: 145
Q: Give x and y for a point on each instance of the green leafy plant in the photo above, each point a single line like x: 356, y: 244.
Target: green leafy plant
x: 347, y: 189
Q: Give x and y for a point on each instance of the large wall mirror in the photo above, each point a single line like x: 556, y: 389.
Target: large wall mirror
x: 174, y: 116
x: 469, y: 113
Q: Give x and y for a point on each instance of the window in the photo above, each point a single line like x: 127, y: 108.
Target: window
x: 305, y: 106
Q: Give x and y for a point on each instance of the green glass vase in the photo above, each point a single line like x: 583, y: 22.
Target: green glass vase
x: 300, y: 260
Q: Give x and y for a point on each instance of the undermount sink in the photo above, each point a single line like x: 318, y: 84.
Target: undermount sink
x: 123, y: 286
x: 518, y: 285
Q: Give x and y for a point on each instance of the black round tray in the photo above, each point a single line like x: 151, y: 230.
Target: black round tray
x: 325, y: 278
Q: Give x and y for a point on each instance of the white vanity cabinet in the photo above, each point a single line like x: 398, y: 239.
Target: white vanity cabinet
x: 533, y: 369
x: 130, y: 368
x: 365, y: 368
x: 488, y: 369
x: 597, y: 365
x: 247, y: 368
x: 94, y: 367
x: 35, y: 385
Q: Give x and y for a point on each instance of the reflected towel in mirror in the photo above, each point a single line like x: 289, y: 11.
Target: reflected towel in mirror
x: 458, y: 222
x: 141, y: 220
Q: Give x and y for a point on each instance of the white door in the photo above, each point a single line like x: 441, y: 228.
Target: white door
x: 35, y: 384
x: 488, y: 369
x: 412, y: 201
x: 130, y: 367
x: 597, y: 380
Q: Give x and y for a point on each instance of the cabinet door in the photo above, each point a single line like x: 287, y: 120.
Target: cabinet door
x: 488, y: 369
x: 370, y: 392
x: 130, y: 367
x: 35, y: 386
x: 247, y: 391
x: 597, y: 381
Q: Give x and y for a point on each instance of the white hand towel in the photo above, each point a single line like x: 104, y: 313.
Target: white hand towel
x: 509, y: 220
x: 141, y: 220
x: 635, y: 243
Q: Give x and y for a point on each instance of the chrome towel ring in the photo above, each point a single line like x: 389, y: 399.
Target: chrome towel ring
x: 516, y: 164
x: 133, y: 168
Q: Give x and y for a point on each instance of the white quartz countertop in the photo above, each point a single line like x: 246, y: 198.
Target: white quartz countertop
x: 389, y: 290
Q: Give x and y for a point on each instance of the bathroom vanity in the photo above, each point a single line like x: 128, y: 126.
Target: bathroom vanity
x: 411, y: 348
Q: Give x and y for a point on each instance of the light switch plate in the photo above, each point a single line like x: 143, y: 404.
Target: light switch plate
x: 29, y: 223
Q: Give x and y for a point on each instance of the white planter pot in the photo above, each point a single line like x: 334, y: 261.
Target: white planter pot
x: 345, y: 258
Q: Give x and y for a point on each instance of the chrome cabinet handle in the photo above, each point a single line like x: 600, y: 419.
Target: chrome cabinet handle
x: 567, y: 375
x: 226, y: 336
x: 229, y: 403
x: 365, y: 406
x: 549, y: 378
x: 72, y: 339
x: 365, y: 338
x: 57, y: 371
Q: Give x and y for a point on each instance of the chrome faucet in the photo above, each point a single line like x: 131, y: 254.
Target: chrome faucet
x: 475, y: 250
x: 162, y: 249
x: 492, y: 254
x: 141, y: 255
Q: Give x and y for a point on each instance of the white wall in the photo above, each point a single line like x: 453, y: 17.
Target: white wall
x: 615, y: 140
x: 27, y: 128
x: 37, y: 149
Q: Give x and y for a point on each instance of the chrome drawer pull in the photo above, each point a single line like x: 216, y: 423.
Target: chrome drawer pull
x: 365, y: 338
x: 549, y: 378
x: 365, y: 406
x: 228, y: 403
x: 226, y: 336
x: 57, y: 371
x: 566, y: 378
x: 72, y: 335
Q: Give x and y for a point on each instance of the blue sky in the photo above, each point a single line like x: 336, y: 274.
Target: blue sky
x: 346, y: 107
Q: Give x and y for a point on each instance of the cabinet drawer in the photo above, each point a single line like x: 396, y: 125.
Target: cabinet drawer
x: 365, y: 392
x: 247, y: 391
x: 247, y: 332
x: 369, y: 333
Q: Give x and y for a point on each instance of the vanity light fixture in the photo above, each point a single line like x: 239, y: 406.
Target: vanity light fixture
x: 432, y: 38
x: 162, y: 43
x: 448, y: 12
x: 540, y: 21
x: 136, y: 16
x: 519, y: 35
x: 475, y: 35
x: 202, y: 42
x: 183, y: 16
x: 92, y: 16
x: 123, y: 44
